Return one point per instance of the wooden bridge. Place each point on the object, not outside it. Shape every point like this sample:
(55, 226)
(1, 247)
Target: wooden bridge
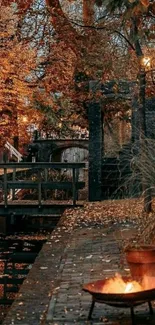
(41, 180)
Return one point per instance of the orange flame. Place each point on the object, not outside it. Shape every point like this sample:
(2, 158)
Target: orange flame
(129, 287)
(118, 285)
(133, 287)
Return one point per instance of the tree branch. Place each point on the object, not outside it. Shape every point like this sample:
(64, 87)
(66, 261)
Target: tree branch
(101, 28)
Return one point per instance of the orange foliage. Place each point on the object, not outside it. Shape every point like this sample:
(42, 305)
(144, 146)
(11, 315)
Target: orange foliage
(60, 71)
(22, 5)
(16, 62)
(75, 50)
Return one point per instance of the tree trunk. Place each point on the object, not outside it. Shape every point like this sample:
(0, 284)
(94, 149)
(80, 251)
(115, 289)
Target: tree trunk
(88, 12)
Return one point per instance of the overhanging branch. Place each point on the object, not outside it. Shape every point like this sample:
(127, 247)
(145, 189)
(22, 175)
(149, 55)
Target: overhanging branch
(104, 28)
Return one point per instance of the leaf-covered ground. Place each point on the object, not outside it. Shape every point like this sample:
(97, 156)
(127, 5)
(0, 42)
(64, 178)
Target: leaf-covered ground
(106, 211)
(114, 211)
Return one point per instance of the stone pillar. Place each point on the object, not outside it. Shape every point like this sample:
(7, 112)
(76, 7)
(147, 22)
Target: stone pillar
(95, 118)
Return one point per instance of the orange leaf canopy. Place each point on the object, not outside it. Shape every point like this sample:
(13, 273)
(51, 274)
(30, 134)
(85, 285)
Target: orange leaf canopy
(22, 4)
(145, 3)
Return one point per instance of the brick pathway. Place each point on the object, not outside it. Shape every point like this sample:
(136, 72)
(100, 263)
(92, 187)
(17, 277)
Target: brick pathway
(91, 254)
(52, 293)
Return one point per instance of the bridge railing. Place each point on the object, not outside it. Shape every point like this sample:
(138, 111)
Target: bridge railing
(13, 151)
(10, 182)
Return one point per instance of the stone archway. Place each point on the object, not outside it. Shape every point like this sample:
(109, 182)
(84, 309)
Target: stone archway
(51, 149)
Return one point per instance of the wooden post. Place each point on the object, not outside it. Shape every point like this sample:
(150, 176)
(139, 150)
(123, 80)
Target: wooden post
(74, 187)
(5, 188)
(16, 142)
(3, 228)
(5, 288)
(76, 182)
(13, 178)
(39, 188)
(46, 179)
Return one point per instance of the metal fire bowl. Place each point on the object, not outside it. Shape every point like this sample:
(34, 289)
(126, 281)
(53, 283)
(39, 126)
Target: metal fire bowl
(118, 299)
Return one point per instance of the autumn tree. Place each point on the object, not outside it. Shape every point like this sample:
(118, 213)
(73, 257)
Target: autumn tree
(99, 39)
(78, 51)
(17, 62)
(86, 43)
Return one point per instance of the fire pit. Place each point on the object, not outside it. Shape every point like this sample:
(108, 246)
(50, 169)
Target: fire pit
(121, 292)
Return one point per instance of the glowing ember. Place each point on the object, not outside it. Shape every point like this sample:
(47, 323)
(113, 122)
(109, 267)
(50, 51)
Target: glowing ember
(118, 285)
(129, 287)
(133, 287)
